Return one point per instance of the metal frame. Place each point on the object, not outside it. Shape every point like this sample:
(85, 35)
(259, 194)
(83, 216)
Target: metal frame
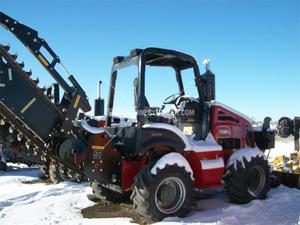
(29, 37)
(160, 57)
(62, 113)
(74, 97)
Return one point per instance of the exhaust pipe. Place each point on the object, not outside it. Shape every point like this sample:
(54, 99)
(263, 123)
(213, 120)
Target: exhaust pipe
(99, 102)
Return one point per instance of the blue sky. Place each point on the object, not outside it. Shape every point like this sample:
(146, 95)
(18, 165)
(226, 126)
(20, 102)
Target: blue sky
(254, 46)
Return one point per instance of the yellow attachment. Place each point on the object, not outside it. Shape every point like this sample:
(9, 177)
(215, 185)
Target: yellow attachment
(97, 147)
(76, 101)
(43, 60)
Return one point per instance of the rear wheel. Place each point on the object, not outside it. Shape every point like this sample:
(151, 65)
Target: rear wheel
(169, 193)
(248, 180)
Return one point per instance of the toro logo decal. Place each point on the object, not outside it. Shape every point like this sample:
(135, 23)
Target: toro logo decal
(224, 131)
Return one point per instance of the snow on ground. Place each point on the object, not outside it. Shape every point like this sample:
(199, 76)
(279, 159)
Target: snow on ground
(43, 203)
(61, 203)
(283, 146)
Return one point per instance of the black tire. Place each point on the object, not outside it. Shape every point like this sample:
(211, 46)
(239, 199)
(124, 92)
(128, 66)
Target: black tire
(248, 182)
(151, 193)
(3, 166)
(54, 173)
(105, 194)
(275, 180)
(44, 172)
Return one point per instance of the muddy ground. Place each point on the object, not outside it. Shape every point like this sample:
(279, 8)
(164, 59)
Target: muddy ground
(104, 209)
(38, 181)
(110, 210)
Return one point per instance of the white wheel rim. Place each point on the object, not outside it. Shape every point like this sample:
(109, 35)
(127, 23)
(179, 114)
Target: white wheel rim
(256, 189)
(170, 195)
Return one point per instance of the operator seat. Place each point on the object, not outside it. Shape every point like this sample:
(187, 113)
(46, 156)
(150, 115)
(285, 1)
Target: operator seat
(198, 120)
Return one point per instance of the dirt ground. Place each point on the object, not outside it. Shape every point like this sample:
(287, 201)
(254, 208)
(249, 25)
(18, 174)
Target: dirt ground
(110, 210)
(103, 209)
(38, 181)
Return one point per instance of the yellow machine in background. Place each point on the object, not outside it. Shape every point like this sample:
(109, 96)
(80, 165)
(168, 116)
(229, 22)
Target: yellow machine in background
(285, 164)
(286, 170)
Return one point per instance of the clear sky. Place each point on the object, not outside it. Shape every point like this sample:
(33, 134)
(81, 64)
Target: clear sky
(254, 46)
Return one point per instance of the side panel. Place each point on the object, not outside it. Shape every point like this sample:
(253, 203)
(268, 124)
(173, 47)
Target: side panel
(136, 141)
(230, 130)
(129, 170)
(102, 161)
(205, 177)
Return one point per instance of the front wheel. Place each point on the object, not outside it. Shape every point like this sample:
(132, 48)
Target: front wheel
(245, 181)
(169, 193)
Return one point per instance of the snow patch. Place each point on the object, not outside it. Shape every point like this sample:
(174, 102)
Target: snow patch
(232, 110)
(172, 159)
(99, 118)
(92, 130)
(242, 153)
(35, 204)
(212, 164)
(208, 145)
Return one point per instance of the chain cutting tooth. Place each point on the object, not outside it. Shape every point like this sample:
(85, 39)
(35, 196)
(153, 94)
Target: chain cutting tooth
(35, 150)
(29, 73)
(11, 130)
(28, 144)
(21, 64)
(36, 81)
(6, 47)
(43, 89)
(14, 56)
(2, 122)
(20, 136)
